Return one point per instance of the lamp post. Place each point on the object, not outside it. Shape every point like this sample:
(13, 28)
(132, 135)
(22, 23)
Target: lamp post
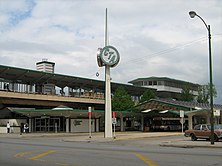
(192, 15)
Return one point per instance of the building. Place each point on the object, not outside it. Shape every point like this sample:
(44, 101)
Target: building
(49, 67)
(28, 96)
(166, 87)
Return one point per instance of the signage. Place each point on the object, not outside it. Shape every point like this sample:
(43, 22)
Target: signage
(114, 114)
(182, 120)
(216, 112)
(110, 56)
(114, 121)
(89, 113)
(181, 113)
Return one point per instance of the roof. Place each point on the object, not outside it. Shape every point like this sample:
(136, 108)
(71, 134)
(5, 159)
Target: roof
(161, 79)
(31, 77)
(66, 112)
(44, 61)
(166, 104)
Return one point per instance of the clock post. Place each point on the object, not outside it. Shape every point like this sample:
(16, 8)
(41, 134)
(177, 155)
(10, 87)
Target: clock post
(108, 57)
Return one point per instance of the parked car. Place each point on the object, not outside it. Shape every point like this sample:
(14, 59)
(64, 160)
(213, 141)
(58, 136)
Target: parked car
(204, 131)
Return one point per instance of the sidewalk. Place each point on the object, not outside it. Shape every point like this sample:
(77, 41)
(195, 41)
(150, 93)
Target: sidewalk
(182, 141)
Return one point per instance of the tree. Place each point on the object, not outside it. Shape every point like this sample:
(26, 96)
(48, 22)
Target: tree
(187, 94)
(121, 100)
(204, 93)
(147, 95)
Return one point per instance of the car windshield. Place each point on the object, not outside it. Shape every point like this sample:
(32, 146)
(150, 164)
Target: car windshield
(217, 126)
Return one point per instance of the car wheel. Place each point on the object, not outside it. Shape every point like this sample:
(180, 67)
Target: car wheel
(193, 137)
(215, 138)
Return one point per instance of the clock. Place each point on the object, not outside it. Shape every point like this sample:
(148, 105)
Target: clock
(110, 56)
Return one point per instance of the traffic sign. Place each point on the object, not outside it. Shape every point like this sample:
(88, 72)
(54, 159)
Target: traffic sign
(182, 120)
(181, 113)
(114, 121)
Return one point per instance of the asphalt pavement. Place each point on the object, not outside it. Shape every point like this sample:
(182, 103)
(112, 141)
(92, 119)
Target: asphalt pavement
(182, 141)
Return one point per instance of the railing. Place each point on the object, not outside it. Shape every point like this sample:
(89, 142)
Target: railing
(84, 98)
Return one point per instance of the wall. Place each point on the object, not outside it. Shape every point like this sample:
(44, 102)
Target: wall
(82, 125)
(14, 123)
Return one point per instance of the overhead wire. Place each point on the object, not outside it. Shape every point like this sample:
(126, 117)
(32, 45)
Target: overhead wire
(166, 51)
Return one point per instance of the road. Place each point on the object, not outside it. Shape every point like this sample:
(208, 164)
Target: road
(139, 152)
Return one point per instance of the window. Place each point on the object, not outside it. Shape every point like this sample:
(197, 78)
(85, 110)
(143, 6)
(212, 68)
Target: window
(204, 127)
(150, 83)
(154, 82)
(197, 127)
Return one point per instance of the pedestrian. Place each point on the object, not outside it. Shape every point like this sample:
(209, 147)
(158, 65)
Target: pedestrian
(21, 128)
(8, 127)
(26, 127)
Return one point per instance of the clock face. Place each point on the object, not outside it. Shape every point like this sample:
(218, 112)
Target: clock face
(110, 56)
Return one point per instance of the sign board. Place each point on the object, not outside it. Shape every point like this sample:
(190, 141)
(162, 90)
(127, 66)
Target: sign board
(181, 113)
(216, 112)
(110, 56)
(90, 112)
(114, 114)
(114, 121)
(182, 120)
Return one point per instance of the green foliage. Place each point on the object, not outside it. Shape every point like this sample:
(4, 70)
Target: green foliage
(121, 100)
(186, 94)
(147, 95)
(204, 93)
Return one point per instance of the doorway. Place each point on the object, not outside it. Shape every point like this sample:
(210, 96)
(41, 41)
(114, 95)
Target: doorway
(47, 124)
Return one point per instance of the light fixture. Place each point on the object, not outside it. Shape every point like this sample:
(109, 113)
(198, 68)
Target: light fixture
(192, 14)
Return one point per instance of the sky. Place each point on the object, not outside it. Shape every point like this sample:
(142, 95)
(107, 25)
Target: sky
(154, 37)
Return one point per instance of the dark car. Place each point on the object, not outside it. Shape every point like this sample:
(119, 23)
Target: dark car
(204, 131)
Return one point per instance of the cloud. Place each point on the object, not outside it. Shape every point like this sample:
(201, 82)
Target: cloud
(154, 38)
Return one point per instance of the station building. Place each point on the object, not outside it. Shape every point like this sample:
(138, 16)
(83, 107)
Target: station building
(51, 102)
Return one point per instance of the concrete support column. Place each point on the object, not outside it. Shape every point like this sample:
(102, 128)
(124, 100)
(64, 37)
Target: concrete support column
(190, 121)
(220, 117)
(67, 125)
(97, 125)
(30, 125)
(208, 119)
(121, 123)
(142, 123)
(108, 105)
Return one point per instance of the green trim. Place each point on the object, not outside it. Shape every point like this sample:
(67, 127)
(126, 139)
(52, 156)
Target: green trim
(51, 110)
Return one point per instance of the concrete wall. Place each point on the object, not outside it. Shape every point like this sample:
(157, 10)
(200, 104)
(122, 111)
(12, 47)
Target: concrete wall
(14, 123)
(82, 125)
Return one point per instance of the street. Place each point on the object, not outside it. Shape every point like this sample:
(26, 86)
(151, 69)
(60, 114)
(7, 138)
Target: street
(132, 152)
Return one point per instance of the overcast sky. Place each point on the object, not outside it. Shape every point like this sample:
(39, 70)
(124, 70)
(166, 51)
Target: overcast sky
(154, 37)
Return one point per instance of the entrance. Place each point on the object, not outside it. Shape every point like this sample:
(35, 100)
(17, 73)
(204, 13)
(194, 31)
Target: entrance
(47, 124)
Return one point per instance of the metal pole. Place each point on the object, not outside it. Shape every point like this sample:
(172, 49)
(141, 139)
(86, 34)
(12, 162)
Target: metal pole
(182, 124)
(90, 117)
(192, 15)
(108, 111)
(211, 88)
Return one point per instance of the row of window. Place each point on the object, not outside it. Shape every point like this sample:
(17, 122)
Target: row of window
(165, 83)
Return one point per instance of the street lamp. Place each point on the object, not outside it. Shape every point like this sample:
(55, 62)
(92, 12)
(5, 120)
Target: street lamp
(192, 15)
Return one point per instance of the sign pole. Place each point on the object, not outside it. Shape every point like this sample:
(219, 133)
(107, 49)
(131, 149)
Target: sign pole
(108, 57)
(108, 111)
(90, 117)
(114, 125)
(182, 119)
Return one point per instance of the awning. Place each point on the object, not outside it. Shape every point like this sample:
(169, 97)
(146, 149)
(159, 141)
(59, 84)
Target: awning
(68, 112)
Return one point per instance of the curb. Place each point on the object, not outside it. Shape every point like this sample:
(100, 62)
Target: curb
(189, 146)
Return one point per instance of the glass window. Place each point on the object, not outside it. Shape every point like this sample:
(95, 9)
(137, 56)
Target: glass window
(150, 83)
(197, 127)
(204, 127)
(154, 82)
